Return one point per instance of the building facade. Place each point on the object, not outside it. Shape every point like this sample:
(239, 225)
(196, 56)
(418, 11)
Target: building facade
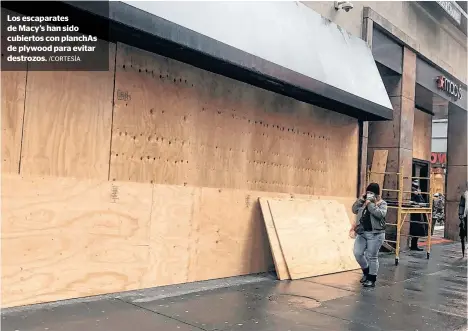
(420, 48)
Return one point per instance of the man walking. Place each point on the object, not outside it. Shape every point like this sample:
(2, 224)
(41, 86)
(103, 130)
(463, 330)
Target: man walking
(418, 225)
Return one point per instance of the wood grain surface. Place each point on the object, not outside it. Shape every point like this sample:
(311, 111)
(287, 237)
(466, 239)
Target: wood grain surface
(313, 236)
(379, 166)
(63, 238)
(68, 120)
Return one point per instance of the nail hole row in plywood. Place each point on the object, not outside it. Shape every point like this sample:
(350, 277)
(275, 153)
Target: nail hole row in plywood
(422, 132)
(225, 115)
(159, 139)
(246, 161)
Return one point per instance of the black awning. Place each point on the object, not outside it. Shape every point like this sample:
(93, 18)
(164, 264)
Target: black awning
(317, 62)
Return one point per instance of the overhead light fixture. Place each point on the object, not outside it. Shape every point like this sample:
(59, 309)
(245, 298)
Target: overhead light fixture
(345, 5)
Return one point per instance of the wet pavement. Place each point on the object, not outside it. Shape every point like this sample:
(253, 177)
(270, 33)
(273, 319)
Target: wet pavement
(418, 294)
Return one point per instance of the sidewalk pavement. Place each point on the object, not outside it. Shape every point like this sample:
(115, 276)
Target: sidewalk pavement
(418, 294)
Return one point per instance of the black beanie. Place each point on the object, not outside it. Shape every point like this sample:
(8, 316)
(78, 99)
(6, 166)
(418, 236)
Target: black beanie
(374, 188)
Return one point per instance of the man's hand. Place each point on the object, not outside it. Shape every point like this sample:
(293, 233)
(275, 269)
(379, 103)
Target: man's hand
(461, 217)
(366, 203)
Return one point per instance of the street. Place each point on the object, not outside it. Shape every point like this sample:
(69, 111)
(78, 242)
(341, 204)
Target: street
(417, 295)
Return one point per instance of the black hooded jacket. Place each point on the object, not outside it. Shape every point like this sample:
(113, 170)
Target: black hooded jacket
(418, 229)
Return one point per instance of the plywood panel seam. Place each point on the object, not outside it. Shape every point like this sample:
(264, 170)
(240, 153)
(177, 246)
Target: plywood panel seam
(117, 236)
(22, 124)
(212, 131)
(190, 236)
(11, 109)
(112, 116)
(152, 199)
(278, 258)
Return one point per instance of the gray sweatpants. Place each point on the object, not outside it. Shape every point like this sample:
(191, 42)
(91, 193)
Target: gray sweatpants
(366, 250)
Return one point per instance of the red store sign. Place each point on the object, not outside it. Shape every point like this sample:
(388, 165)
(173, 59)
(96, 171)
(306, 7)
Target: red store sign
(438, 158)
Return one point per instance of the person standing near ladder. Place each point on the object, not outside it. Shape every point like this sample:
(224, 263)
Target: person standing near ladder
(462, 215)
(370, 232)
(418, 229)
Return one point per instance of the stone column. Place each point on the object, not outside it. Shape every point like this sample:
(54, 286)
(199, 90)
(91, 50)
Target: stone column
(456, 168)
(396, 136)
(367, 30)
(364, 138)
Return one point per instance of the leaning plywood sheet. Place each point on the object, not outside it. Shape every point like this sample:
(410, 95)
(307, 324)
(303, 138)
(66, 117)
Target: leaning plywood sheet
(379, 165)
(313, 235)
(278, 257)
(347, 202)
(228, 237)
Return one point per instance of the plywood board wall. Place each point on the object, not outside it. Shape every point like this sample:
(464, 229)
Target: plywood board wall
(13, 86)
(422, 135)
(13, 93)
(313, 236)
(229, 236)
(177, 124)
(379, 166)
(68, 120)
(202, 148)
(64, 238)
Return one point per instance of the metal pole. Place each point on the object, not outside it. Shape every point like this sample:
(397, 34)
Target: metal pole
(429, 221)
(399, 223)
